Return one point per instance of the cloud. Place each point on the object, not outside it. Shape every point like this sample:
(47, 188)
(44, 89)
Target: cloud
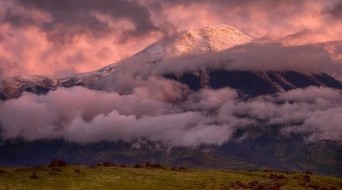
(181, 129)
(313, 112)
(309, 59)
(102, 116)
(335, 11)
(61, 20)
(256, 18)
(7, 67)
(164, 111)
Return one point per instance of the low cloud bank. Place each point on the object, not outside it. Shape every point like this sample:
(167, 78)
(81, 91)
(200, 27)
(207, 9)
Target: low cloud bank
(165, 111)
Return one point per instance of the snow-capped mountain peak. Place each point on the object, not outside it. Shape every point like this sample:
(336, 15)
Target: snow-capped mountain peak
(201, 40)
(208, 39)
(195, 41)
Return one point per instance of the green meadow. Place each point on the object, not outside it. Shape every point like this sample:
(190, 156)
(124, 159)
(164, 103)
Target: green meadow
(127, 178)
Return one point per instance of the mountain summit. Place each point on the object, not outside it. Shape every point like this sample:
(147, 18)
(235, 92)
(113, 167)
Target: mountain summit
(195, 41)
(201, 40)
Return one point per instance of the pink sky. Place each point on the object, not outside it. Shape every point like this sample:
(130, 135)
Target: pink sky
(61, 37)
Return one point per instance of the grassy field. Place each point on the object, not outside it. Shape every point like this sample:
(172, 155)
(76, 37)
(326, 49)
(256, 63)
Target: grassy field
(84, 178)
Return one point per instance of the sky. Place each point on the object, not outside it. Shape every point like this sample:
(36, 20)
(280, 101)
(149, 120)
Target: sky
(61, 37)
(49, 37)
